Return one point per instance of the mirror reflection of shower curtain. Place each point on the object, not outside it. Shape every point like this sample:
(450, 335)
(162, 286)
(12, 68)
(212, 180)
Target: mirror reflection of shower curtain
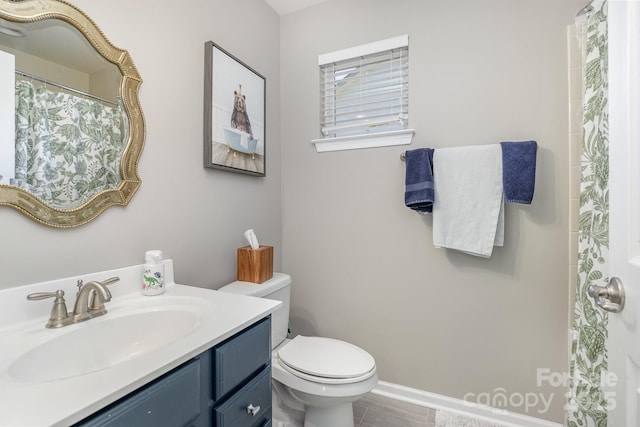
(68, 148)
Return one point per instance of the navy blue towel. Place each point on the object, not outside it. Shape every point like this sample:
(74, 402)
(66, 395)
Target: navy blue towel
(519, 171)
(418, 194)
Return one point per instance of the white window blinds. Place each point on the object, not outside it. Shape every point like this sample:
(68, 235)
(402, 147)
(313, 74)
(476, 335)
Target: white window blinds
(365, 89)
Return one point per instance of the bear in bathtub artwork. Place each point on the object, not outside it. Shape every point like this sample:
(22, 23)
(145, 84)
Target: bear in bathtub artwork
(239, 117)
(235, 114)
(239, 137)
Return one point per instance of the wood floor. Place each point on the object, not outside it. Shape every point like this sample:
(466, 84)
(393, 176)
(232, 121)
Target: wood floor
(224, 156)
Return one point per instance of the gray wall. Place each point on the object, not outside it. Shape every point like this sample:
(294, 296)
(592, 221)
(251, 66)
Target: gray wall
(363, 265)
(195, 216)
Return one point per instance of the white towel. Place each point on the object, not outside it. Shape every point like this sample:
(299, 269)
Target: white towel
(244, 141)
(468, 208)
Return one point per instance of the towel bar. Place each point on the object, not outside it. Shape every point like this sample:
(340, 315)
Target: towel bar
(403, 157)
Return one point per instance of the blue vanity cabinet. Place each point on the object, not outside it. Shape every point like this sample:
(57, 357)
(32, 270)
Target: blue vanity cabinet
(228, 385)
(242, 379)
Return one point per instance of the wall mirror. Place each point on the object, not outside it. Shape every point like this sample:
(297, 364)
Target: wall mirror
(71, 125)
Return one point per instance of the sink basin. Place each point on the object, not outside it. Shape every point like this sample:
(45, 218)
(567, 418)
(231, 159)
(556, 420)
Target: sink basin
(105, 341)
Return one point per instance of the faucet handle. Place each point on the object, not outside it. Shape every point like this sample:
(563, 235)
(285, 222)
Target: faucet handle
(111, 281)
(44, 295)
(59, 316)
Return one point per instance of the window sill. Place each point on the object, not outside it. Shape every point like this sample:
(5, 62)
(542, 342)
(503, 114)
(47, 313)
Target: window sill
(382, 139)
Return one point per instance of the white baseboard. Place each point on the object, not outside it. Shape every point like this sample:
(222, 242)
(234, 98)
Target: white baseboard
(437, 401)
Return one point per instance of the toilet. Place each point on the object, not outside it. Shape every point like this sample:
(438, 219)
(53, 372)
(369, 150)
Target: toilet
(315, 379)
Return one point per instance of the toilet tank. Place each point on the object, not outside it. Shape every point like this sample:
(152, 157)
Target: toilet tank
(277, 288)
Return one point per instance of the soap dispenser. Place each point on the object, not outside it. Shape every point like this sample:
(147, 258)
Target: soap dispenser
(152, 273)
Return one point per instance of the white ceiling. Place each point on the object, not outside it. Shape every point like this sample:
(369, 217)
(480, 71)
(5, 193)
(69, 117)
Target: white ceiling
(287, 6)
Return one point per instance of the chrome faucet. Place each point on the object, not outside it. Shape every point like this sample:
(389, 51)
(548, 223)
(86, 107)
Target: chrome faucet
(100, 293)
(83, 309)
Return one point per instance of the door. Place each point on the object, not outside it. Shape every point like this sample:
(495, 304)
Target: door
(622, 384)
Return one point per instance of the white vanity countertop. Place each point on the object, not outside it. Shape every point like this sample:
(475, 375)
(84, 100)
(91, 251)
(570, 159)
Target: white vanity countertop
(66, 401)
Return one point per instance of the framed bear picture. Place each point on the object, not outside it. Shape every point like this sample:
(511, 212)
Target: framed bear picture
(234, 114)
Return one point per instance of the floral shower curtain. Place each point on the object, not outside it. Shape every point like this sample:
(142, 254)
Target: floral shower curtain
(587, 405)
(68, 148)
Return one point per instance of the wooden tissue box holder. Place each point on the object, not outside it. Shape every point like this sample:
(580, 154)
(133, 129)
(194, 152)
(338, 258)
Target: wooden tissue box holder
(255, 265)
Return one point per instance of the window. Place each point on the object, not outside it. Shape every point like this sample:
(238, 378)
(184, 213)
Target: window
(364, 96)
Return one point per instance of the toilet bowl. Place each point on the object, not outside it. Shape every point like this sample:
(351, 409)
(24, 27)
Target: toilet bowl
(315, 379)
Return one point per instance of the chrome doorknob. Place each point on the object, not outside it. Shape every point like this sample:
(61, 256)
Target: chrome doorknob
(610, 297)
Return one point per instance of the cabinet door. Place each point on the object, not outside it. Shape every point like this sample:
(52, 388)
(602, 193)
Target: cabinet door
(241, 357)
(172, 400)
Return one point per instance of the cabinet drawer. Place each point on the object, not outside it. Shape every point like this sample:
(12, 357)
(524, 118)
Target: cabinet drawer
(241, 356)
(172, 400)
(233, 413)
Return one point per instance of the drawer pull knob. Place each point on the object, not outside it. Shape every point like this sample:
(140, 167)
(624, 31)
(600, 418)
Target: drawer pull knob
(253, 410)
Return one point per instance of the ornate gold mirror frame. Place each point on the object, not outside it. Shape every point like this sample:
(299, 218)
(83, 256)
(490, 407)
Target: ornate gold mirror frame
(36, 10)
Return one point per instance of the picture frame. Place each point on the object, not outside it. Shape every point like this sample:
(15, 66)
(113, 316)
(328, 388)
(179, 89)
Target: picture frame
(234, 114)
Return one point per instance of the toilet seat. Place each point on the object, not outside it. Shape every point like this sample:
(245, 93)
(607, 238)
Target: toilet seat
(326, 360)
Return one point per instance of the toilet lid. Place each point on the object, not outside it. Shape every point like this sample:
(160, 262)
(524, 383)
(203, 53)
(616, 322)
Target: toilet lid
(326, 358)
